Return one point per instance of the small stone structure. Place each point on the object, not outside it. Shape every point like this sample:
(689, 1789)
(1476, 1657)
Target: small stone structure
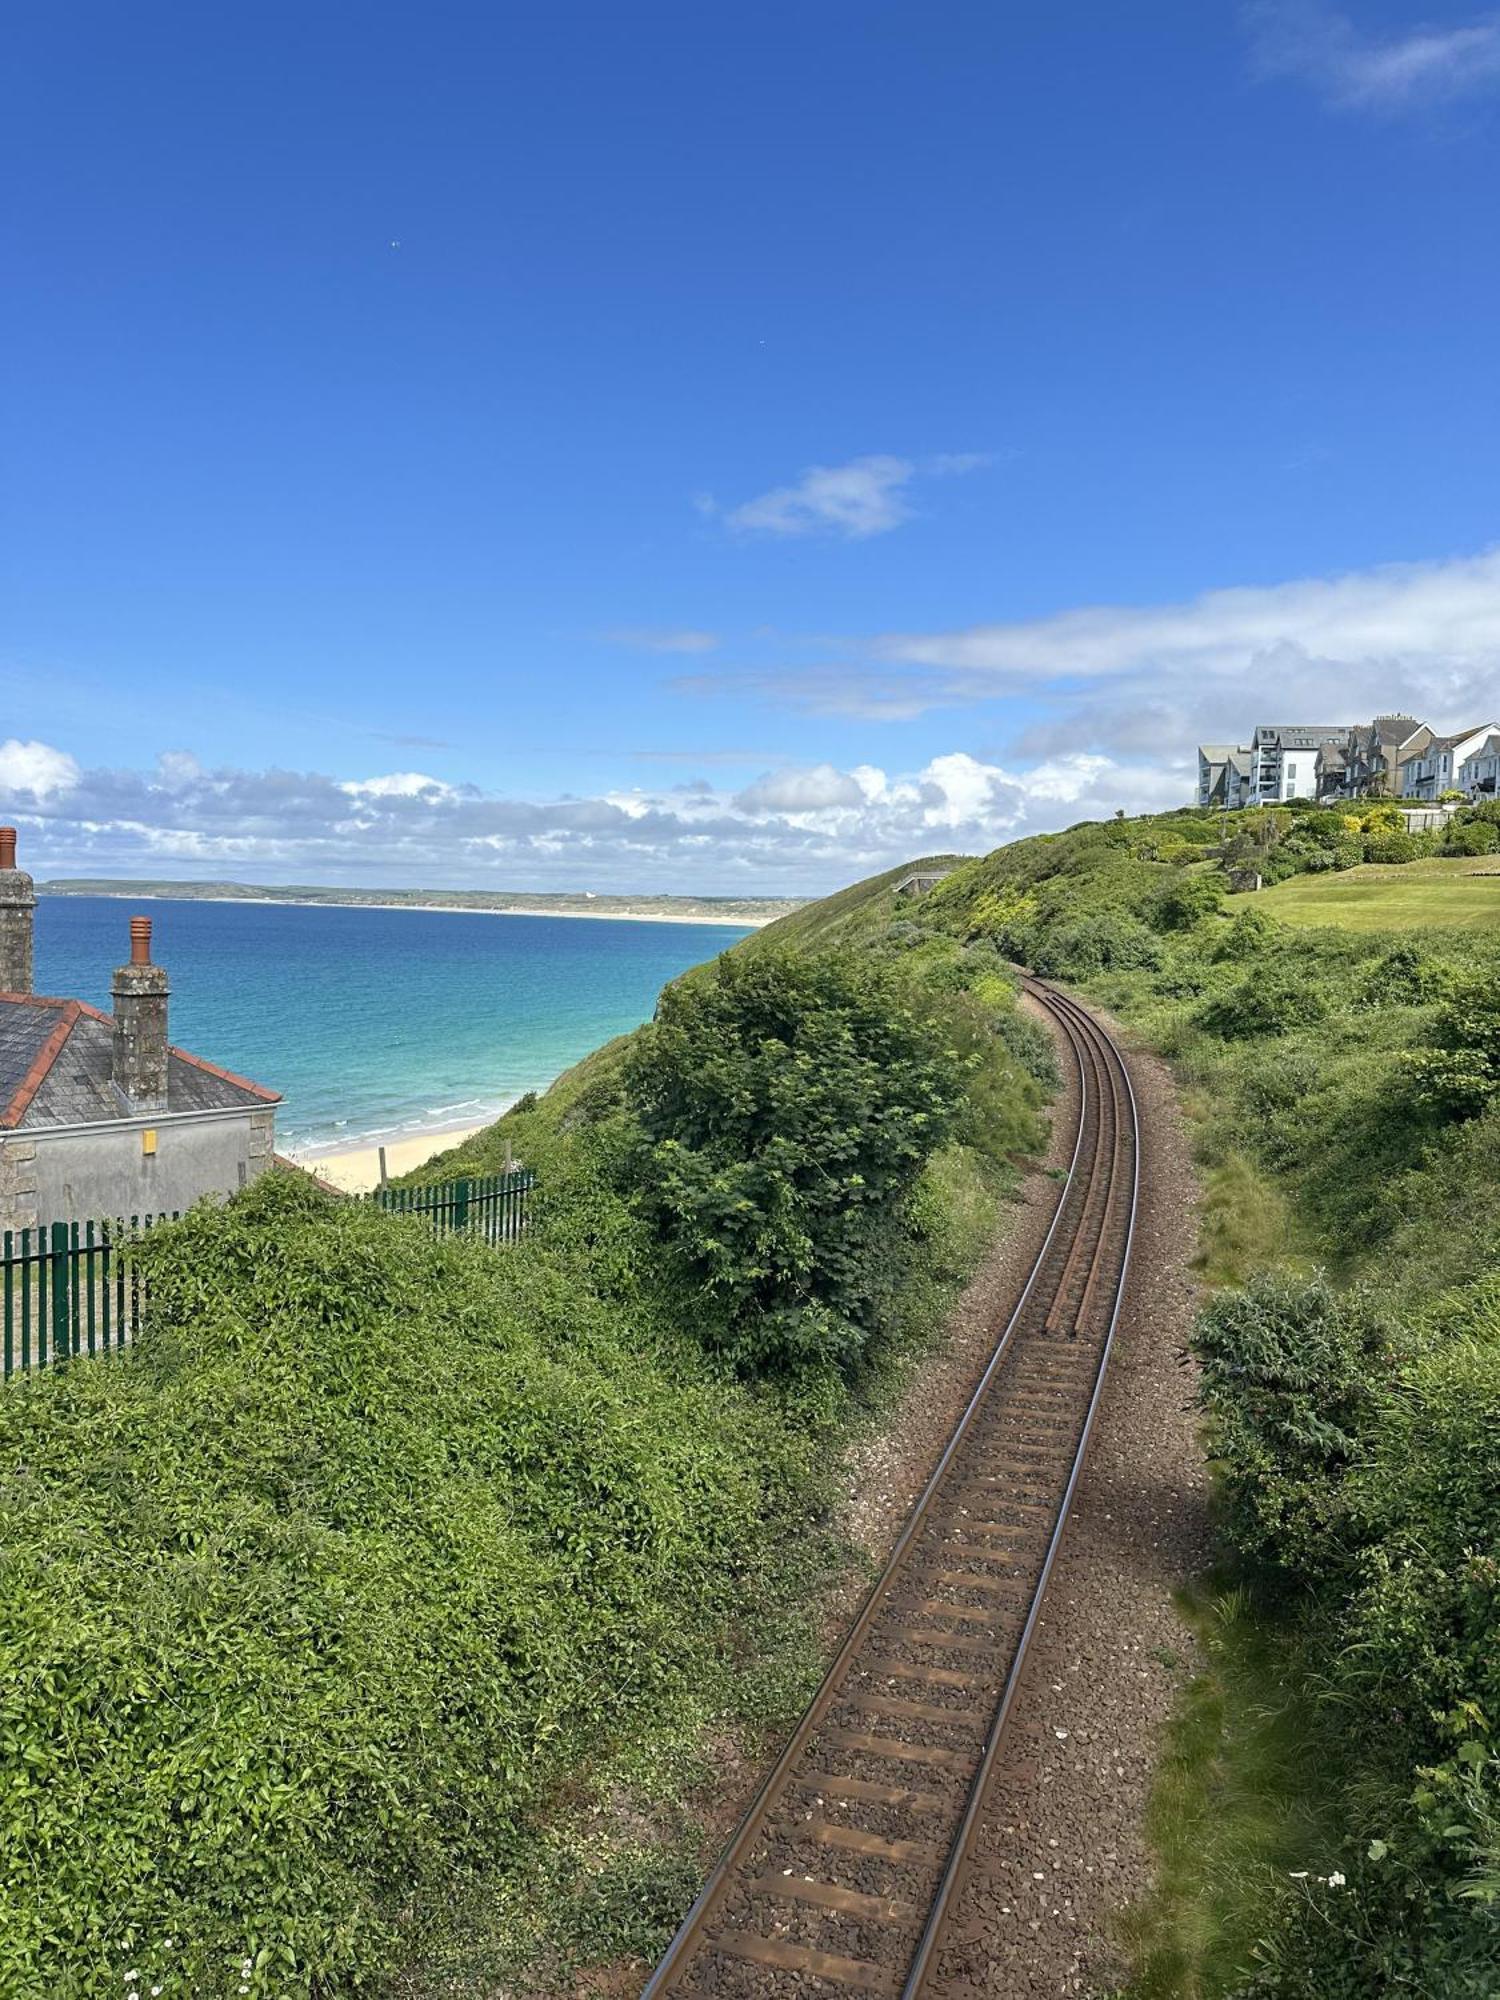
(100, 1116)
(920, 881)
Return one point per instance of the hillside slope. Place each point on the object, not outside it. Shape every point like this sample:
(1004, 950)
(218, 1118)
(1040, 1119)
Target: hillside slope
(1331, 1811)
(368, 1623)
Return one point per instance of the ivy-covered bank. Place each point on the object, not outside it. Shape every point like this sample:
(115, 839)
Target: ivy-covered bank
(1345, 1093)
(366, 1627)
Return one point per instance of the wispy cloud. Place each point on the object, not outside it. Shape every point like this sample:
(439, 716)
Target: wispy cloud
(1355, 70)
(1147, 681)
(1423, 636)
(869, 693)
(406, 742)
(868, 496)
(663, 638)
(1431, 615)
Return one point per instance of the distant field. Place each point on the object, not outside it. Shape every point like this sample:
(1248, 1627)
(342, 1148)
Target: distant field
(1458, 895)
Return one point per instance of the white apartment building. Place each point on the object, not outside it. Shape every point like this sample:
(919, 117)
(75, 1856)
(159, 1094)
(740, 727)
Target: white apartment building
(1394, 756)
(1440, 766)
(1284, 759)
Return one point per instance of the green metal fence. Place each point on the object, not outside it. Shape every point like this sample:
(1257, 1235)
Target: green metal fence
(70, 1288)
(492, 1207)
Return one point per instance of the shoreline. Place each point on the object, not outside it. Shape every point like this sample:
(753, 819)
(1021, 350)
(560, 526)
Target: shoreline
(356, 1169)
(435, 909)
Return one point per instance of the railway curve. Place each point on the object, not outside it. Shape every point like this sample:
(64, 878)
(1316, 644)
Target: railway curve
(839, 1879)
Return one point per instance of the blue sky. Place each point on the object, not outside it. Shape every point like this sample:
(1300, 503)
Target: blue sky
(724, 446)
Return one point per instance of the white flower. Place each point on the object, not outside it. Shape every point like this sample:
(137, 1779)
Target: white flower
(1337, 1879)
(1299, 1874)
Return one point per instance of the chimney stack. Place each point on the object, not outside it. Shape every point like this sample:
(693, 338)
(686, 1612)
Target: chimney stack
(140, 1053)
(17, 903)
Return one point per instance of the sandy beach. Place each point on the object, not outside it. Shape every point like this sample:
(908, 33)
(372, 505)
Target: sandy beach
(610, 916)
(358, 1170)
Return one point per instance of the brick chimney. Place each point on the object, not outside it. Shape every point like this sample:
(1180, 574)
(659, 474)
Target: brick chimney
(17, 903)
(140, 1055)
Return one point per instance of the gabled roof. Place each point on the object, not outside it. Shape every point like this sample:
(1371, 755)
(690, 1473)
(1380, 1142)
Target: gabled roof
(56, 1062)
(1460, 736)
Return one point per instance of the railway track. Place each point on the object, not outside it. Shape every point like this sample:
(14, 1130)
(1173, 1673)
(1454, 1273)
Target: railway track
(840, 1877)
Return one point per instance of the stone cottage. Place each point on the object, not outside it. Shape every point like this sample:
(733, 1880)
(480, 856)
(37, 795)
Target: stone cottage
(100, 1115)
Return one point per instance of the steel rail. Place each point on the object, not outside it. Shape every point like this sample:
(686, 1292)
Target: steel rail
(1091, 1048)
(932, 1932)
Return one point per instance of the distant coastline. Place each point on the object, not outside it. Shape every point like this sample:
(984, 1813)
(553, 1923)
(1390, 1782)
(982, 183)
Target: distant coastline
(739, 912)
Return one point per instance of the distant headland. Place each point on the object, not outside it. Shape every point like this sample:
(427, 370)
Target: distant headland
(741, 911)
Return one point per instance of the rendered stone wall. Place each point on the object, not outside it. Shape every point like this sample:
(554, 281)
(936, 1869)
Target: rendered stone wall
(83, 1176)
(18, 1208)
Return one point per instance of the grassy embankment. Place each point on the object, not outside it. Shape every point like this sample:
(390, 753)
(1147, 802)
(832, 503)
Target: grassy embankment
(377, 1622)
(1431, 894)
(1328, 1811)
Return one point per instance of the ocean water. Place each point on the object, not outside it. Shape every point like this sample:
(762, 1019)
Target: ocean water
(378, 1024)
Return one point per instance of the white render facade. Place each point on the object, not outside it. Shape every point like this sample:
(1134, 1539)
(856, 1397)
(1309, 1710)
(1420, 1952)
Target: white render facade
(1441, 766)
(1479, 773)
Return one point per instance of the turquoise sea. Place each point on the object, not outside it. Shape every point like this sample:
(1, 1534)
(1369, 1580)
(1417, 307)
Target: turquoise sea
(378, 1024)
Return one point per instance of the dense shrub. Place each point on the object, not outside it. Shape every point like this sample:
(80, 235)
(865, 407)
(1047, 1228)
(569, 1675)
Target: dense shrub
(1394, 845)
(1183, 903)
(1405, 976)
(1289, 1371)
(1099, 942)
(1475, 836)
(1461, 1074)
(306, 1602)
(788, 1103)
(1270, 1000)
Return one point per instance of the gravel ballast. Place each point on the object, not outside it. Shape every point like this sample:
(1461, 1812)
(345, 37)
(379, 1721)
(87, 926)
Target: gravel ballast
(1059, 1850)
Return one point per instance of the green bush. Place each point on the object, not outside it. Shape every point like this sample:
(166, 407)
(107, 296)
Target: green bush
(1461, 1075)
(307, 1601)
(1405, 976)
(1290, 1369)
(1183, 903)
(1096, 943)
(1393, 845)
(1270, 1000)
(1471, 837)
(788, 1103)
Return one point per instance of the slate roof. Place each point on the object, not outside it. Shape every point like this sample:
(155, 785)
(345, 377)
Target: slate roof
(1299, 735)
(56, 1058)
(1441, 743)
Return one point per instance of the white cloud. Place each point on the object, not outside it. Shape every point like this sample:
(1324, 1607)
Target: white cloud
(664, 639)
(794, 829)
(36, 770)
(1396, 72)
(868, 496)
(801, 791)
(1418, 636)
(396, 785)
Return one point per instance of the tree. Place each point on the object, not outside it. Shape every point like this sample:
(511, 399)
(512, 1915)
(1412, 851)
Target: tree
(788, 1104)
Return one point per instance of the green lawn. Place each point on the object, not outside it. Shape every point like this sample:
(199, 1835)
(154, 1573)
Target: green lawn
(1462, 894)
